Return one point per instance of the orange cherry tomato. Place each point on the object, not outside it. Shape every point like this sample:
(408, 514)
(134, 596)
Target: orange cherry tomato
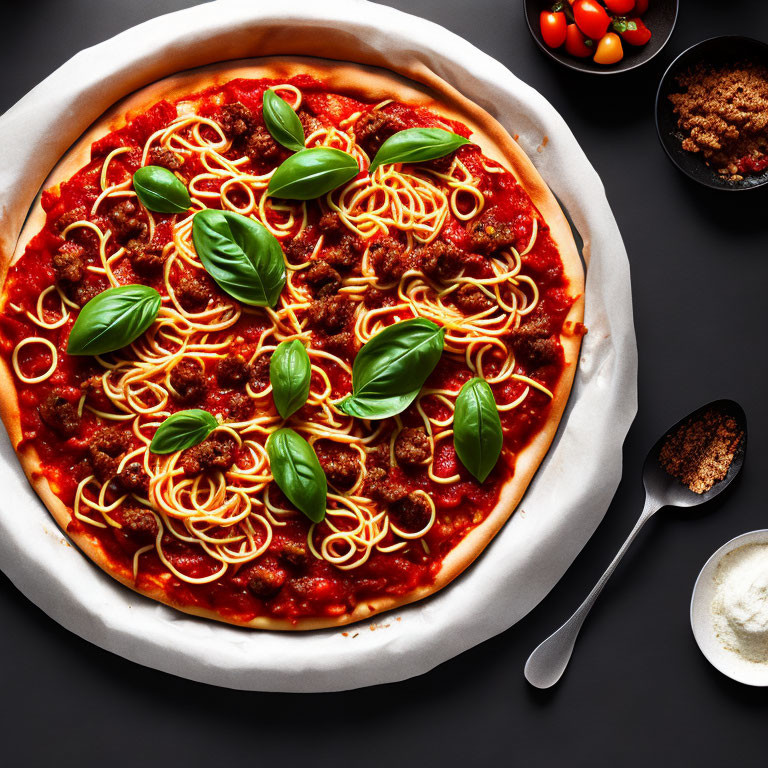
(553, 28)
(641, 6)
(609, 49)
(591, 18)
(576, 43)
(639, 36)
(620, 7)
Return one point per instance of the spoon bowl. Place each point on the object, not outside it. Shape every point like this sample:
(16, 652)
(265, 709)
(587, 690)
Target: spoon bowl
(545, 666)
(660, 485)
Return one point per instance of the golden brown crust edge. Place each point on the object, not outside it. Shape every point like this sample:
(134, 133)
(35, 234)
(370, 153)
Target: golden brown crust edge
(432, 92)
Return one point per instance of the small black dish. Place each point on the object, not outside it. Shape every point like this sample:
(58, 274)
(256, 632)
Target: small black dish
(660, 18)
(716, 51)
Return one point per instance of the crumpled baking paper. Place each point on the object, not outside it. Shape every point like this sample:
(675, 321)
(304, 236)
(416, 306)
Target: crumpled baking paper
(569, 494)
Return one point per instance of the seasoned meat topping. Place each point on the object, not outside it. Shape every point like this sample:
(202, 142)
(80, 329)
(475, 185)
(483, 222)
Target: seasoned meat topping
(411, 513)
(125, 222)
(471, 300)
(217, 452)
(68, 263)
(265, 578)
(133, 478)
(138, 524)
(412, 447)
(331, 314)
(489, 233)
(105, 449)
(259, 376)
(294, 552)
(331, 222)
(343, 254)
(84, 291)
(322, 278)
(145, 259)
(441, 260)
(309, 122)
(261, 146)
(236, 119)
(70, 217)
(298, 249)
(534, 342)
(380, 486)
(59, 414)
(339, 344)
(193, 293)
(341, 465)
(441, 164)
(240, 407)
(378, 457)
(232, 371)
(389, 259)
(188, 380)
(373, 128)
(164, 158)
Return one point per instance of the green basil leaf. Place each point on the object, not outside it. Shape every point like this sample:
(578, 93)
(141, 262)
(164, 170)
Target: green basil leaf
(392, 367)
(377, 407)
(241, 255)
(289, 373)
(477, 435)
(282, 122)
(160, 190)
(113, 319)
(312, 173)
(298, 473)
(415, 145)
(182, 430)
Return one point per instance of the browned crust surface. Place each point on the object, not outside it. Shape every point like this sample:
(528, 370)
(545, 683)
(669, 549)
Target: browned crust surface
(370, 84)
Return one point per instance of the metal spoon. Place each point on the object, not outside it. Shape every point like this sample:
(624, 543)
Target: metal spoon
(547, 663)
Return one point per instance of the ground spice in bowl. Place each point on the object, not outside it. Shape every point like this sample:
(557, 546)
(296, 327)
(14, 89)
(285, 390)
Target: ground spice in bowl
(723, 114)
(699, 453)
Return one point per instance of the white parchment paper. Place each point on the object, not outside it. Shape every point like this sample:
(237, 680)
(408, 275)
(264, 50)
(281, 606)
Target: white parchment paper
(572, 489)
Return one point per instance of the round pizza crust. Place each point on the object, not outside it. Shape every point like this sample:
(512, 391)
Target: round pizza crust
(370, 84)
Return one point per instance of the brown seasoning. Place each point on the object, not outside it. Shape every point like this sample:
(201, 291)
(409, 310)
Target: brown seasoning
(724, 114)
(700, 452)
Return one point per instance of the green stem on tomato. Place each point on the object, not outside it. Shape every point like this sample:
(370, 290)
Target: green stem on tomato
(563, 6)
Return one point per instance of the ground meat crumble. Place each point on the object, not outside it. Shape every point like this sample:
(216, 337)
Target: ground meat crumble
(723, 114)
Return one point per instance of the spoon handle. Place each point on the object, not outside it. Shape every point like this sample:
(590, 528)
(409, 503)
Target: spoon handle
(547, 663)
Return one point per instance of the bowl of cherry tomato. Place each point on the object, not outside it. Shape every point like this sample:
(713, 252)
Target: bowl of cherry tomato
(602, 37)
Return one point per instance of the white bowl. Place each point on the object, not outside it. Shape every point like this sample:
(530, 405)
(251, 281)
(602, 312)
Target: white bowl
(702, 620)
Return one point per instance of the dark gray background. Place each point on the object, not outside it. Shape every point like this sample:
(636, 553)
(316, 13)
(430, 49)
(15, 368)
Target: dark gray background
(638, 691)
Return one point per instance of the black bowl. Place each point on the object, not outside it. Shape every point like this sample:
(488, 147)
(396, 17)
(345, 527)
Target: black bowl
(715, 52)
(660, 18)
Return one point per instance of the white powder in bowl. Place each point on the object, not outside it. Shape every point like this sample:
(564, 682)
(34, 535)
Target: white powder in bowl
(740, 606)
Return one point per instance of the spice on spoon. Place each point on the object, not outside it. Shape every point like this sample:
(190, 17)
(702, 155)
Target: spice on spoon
(699, 452)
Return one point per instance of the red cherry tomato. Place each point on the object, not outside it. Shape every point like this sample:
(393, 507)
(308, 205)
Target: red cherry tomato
(591, 17)
(576, 43)
(639, 36)
(553, 28)
(641, 6)
(609, 49)
(620, 7)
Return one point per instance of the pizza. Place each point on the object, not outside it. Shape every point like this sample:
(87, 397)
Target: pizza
(285, 341)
